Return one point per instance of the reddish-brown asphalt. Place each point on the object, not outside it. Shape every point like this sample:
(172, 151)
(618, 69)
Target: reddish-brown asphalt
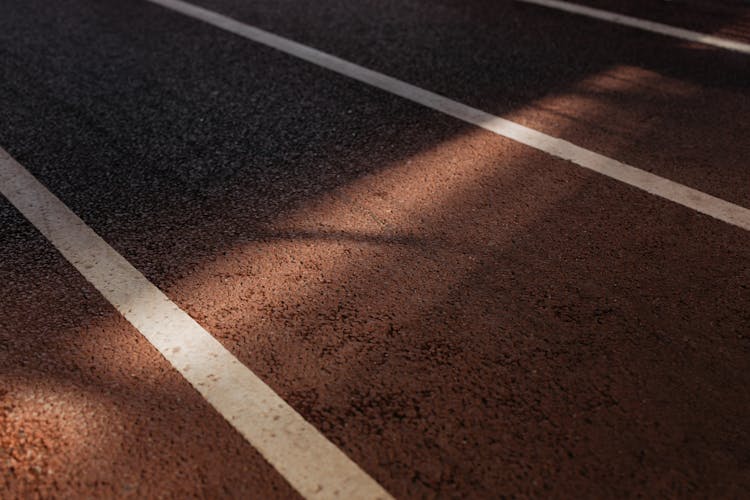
(462, 315)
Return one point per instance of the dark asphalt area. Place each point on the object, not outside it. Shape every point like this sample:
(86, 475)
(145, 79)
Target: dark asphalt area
(462, 315)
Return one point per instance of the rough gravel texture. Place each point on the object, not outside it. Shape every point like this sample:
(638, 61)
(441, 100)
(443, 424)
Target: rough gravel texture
(462, 315)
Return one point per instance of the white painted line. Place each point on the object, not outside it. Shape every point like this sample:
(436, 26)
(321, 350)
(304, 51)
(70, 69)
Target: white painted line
(314, 466)
(644, 24)
(659, 186)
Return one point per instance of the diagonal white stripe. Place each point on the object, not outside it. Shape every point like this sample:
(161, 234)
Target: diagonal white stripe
(314, 466)
(644, 24)
(659, 186)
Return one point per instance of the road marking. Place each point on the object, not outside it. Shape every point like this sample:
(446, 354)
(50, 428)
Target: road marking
(659, 186)
(643, 24)
(314, 466)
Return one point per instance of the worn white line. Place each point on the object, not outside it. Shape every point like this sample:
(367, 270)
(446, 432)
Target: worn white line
(314, 466)
(659, 186)
(644, 24)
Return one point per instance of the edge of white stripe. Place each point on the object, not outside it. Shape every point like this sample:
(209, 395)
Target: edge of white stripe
(643, 24)
(314, 466)
(678, 193)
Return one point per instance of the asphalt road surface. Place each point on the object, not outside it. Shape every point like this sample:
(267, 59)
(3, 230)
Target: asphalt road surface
(434, 308)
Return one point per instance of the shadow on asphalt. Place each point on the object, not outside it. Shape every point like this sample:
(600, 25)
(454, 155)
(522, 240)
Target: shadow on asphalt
(562, 349)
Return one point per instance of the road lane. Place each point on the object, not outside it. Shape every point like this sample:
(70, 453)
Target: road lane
(691, 198)
(674, 110)
(305, 458)
(725, 18)
(644, 24)
(87, 407)
(460, 313)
